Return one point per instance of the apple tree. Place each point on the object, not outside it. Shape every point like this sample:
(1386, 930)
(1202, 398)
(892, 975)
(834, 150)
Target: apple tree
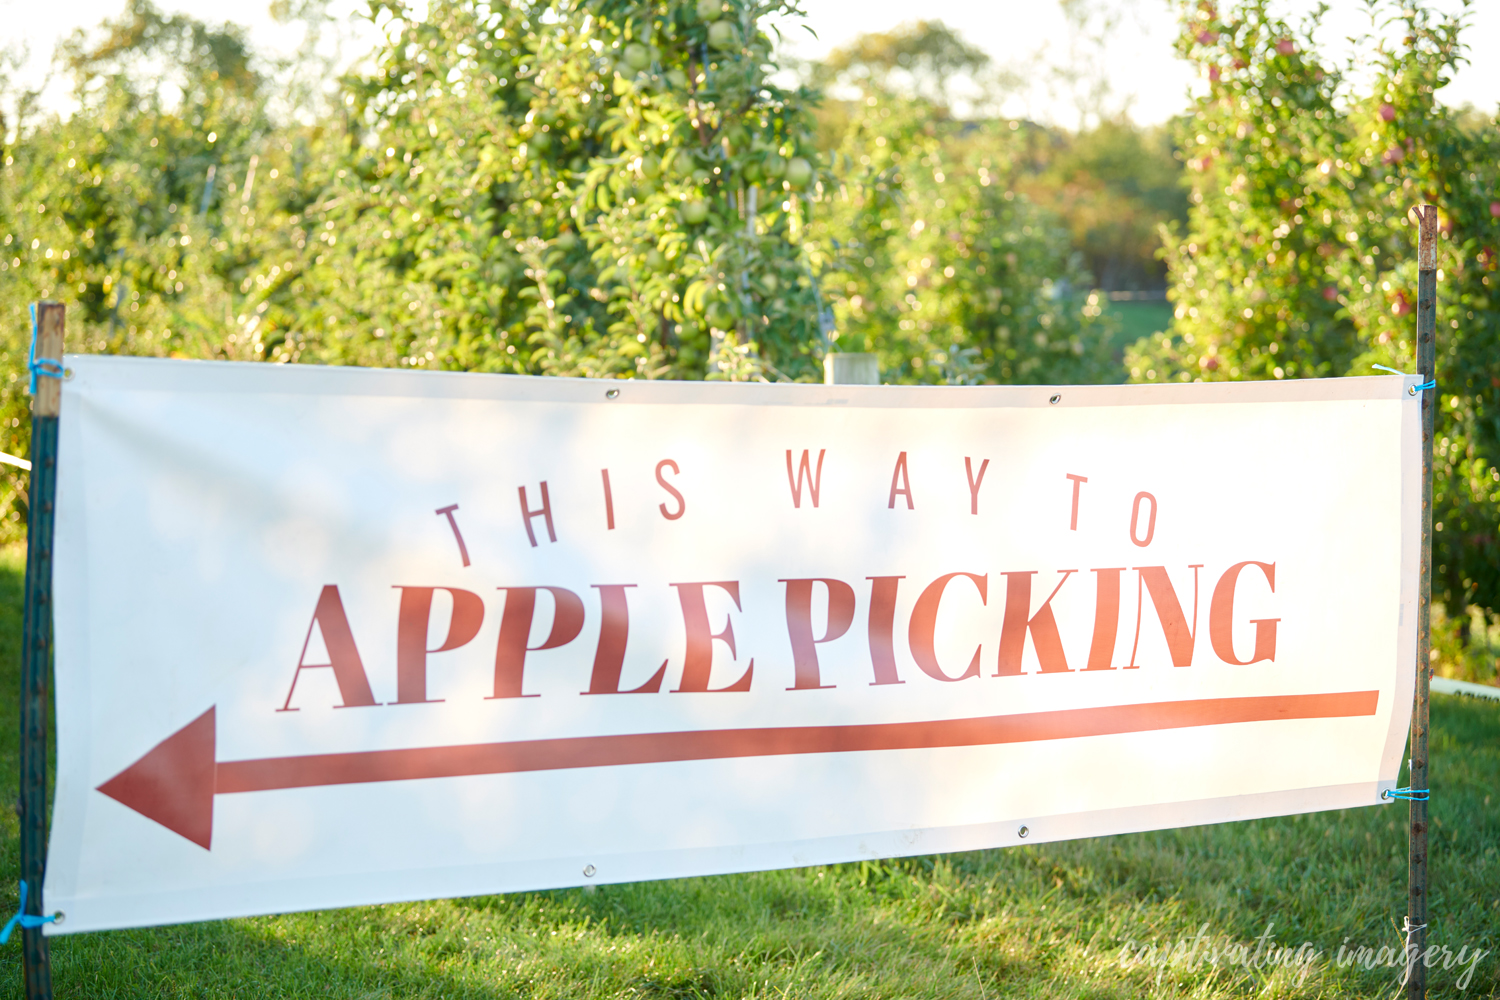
(942, 267)
(608, 188)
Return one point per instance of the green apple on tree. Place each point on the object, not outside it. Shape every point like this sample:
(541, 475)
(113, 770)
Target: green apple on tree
(799, 173)
(722, 36)
(720, 316)
(637, 56)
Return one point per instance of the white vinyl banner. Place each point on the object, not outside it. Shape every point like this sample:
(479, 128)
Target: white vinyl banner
(332, 636)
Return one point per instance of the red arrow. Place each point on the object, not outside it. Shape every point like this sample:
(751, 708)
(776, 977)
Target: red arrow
(175, 783)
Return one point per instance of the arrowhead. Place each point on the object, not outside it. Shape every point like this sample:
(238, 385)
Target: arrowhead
(174, 783)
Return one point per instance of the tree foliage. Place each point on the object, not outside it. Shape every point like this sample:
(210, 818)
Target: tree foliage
(609, 189)
(919, 57)
(124, 210)
(1112, 185)
(941, 267)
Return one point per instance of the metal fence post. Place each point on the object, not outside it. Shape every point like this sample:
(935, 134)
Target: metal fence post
(1416, 886)
(36, 646)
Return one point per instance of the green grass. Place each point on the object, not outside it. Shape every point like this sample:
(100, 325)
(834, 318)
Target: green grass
(1042, 921)
(1135, 320)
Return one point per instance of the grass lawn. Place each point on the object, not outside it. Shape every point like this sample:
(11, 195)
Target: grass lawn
(1136, 320)
(1042, 921)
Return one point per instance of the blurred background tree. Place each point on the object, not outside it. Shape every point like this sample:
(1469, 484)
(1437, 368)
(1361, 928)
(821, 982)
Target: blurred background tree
(120, 209)
(937, 264)
(923, 59)
(1073, 215)
(1112, 185)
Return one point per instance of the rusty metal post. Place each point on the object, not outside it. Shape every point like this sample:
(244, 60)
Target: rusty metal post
(1416, 886)
(36, 644)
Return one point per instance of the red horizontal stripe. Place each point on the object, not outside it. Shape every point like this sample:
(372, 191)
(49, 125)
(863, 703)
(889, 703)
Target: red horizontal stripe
(717, 744)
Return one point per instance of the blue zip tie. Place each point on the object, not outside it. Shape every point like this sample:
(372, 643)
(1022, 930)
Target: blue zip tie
(1410, 794)
(1412, 390)
(23, 918)
(39, 366)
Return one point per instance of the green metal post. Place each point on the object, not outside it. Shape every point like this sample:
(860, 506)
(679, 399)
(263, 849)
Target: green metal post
(36, 648)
